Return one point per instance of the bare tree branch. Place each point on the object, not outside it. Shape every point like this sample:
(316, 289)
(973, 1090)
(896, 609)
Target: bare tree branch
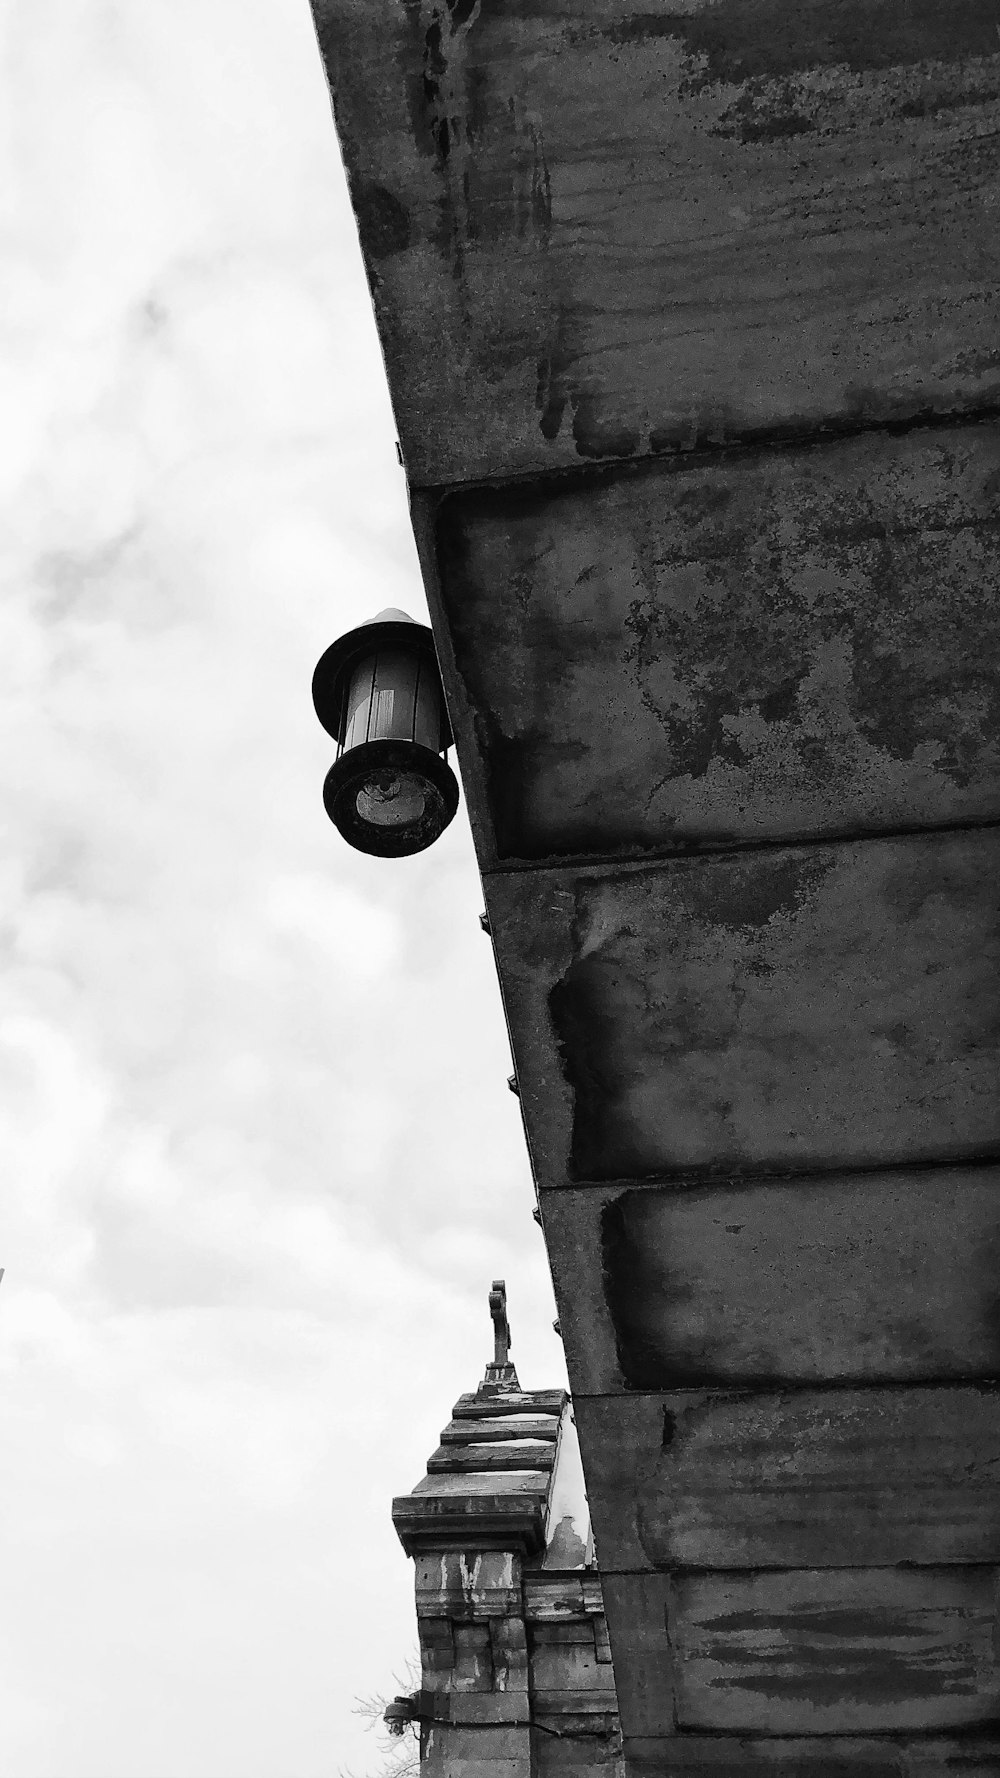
(397, 1756)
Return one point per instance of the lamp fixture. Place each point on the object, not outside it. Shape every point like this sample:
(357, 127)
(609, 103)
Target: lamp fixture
(378, 692)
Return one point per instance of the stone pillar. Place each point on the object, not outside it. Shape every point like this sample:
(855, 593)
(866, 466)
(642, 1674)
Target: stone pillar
(474, 1700)
(473, 1525)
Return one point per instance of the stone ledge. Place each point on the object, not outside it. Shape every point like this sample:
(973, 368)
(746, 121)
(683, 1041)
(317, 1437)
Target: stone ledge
(470, 1522)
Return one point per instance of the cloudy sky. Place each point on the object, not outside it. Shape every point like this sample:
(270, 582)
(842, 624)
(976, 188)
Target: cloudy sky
(259, 1159)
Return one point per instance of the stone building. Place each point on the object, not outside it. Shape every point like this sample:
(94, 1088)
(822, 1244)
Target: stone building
(516, 1672)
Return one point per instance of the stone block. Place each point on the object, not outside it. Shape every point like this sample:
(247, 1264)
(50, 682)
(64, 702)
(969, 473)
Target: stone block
(598, 230)
(794, 1479)
(729, 648)
(975, 1755)
(776, 1010)
(836, 1651)
(878, 1277)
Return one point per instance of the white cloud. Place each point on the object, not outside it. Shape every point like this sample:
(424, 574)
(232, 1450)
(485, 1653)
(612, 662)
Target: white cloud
(260, 1163)
(361, 939)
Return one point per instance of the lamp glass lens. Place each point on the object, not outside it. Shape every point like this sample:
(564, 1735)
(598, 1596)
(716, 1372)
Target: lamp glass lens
(394, 695)
(392, 799)
(359, 703)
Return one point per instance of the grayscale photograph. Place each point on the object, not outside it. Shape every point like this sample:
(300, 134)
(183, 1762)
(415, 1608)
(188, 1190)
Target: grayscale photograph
(500, 811)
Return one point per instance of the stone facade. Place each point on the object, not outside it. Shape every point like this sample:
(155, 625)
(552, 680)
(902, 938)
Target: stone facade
(516, 1672)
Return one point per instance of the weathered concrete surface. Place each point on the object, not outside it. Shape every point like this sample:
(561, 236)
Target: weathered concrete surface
(597, 229)
(794, 1479)
(448, 1585)
(828, 1277)
(706, 264)
(532, 1404)
(764, 645)
(638, 1606)
(975, 1755)
(877, 1277)
(777, 1009)
(512, 1426)
(568, 1661)
(836, 1651)
(530, 1454)
(569, 1540)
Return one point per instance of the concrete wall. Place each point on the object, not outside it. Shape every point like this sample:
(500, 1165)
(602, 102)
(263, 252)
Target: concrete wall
(690, 318)
(601, 229)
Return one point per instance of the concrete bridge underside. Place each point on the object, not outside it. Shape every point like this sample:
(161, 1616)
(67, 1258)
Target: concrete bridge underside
(692, 325)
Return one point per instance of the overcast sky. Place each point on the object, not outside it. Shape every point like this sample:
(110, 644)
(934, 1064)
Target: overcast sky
(259, 1159)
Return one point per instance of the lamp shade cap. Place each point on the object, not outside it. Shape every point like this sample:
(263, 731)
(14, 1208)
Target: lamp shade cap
(333, 669)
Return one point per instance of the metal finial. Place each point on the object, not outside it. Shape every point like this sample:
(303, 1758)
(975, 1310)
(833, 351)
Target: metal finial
(501, 1377)
(501, 1326)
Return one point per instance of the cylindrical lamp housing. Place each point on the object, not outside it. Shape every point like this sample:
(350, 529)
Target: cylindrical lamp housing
(398, 1715)
(378, 692)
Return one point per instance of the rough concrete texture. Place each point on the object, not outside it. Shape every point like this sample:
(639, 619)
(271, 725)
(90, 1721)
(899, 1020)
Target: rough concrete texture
(891, 1276)
(876, 1277)
(600, 229)
(699, 1479)
(970, 1755)
(776, 1009)
(760, 645)
(836, 1651)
